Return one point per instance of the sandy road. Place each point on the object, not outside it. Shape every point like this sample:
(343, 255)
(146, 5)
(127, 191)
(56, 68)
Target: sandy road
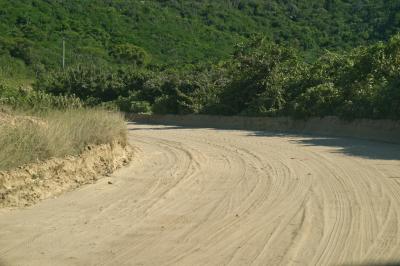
(221, 197)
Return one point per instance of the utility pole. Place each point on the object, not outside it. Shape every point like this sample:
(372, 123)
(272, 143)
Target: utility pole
(63, 55)
(63, 41)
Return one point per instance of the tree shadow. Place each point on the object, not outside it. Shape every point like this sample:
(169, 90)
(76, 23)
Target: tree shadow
(164, 127)
(349, 146)
(375, 264)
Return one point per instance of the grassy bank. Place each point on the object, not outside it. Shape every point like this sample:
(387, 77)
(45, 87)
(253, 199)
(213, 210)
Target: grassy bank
(55, 133)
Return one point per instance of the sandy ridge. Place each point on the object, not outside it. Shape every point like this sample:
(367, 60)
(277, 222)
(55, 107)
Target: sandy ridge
(37, 181)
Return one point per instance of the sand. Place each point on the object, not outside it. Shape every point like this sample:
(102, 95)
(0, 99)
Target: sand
(221, 197)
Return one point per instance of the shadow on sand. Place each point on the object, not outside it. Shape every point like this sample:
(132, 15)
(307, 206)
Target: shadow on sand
(349, 146)
(164, 127)
(375, 264)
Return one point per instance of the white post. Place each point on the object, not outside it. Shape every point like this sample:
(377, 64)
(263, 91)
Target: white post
(63, 57)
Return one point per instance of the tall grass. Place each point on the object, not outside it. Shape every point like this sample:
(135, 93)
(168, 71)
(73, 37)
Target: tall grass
(57, 134)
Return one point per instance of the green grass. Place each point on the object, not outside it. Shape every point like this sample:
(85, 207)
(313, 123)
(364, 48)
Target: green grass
(57, 134)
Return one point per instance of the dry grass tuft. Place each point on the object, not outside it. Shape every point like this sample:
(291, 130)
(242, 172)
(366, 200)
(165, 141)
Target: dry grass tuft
(57, 134)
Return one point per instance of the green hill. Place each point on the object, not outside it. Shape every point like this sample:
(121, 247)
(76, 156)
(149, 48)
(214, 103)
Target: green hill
(308, 58)
(176, 31)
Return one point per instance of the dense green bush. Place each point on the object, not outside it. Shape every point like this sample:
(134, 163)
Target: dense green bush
(92, 84)
(36, 101)
(260, 71)
(133, 104)
(320, 100)
(260, 79)
(131, 54)
(164, 105)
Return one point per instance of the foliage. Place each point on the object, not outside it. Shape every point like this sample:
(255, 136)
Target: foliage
(133, 104)
(131, 54)
(260, 79)
(87, 83)
(174, 33)
(36, 101)
(260, 72)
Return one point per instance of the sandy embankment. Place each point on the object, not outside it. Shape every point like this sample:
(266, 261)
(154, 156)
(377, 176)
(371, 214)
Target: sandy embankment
(37, 181)
(34, 182)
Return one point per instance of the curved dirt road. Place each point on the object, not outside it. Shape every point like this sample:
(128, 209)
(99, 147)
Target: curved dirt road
(221, 197)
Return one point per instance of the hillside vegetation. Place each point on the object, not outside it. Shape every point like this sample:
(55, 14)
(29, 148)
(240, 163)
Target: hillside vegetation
(296, 58)
(174, 31)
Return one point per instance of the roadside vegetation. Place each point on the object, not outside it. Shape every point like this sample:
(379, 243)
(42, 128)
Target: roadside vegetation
(259, 79)
(35, 126)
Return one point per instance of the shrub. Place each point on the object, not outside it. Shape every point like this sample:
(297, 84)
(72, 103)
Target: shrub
(36, 101)
(85, 82)
(259, 72)
(130, 54)
(131, 104)
(320, 100)
(165, 105)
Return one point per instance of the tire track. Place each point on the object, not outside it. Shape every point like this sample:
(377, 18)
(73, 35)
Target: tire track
(220, 197)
